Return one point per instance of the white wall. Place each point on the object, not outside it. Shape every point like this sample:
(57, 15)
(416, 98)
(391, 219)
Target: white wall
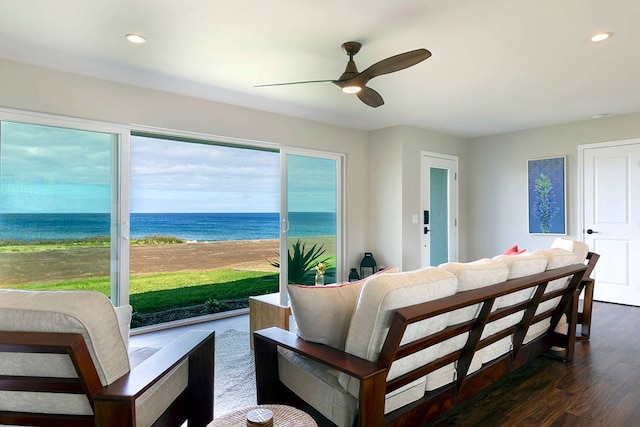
(385, 196)
(42, 90)
(394, 173)
(497, 190)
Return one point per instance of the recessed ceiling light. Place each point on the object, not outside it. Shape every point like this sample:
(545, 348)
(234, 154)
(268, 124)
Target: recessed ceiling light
(599, 116)
(598, 37)
(135, 38)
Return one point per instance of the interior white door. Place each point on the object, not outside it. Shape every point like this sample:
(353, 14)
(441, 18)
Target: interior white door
(439, 188)
(611, 178)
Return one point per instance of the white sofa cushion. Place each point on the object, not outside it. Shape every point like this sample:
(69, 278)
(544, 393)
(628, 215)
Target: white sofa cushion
(580, 249)
(557, 258)
(520, 265)
(323, 313)
(379, 298)
(470, 275)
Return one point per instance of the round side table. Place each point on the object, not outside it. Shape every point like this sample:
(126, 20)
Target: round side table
(283, 416)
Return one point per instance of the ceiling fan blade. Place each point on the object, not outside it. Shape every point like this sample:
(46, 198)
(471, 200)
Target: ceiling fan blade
(394, 63)
(295, 83)
(370, 97)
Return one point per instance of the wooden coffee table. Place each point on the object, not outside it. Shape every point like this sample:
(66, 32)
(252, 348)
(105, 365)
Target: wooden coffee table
(283, 416)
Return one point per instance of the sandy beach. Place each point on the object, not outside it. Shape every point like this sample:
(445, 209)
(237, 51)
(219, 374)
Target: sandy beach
(54, 266)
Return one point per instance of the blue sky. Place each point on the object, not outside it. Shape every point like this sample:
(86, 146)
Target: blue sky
(54, 170)
(40, 168)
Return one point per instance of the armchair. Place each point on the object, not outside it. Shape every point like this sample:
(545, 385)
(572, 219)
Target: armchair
(63, 362)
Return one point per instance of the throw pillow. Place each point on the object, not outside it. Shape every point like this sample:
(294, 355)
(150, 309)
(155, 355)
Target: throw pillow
(513, 250)
(323, 313)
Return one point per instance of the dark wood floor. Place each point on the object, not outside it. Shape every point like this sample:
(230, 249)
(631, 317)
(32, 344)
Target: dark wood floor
(601, 387)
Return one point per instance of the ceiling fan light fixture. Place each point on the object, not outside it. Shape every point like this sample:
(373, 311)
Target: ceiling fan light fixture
(598, 37)
(135, 38)
(351, 89)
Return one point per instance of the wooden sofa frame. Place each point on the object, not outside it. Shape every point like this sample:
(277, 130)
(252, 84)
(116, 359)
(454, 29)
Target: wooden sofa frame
(372, 375)
(115, 404)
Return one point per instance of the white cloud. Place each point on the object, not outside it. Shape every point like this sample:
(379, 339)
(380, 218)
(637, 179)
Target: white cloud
(174, 176)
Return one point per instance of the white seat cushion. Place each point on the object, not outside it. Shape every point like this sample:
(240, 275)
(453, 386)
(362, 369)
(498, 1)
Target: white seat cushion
(317, 384)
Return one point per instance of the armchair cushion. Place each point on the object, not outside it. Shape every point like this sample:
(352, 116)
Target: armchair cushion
(86, 312)
(123, 313)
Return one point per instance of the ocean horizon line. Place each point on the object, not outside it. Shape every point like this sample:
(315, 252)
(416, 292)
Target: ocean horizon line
(196, 227)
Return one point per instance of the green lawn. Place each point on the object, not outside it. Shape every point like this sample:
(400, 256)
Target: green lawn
(163, 291)
(157, 294)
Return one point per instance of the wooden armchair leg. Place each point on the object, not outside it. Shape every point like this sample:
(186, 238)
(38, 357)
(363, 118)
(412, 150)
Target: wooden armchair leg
(201, 380)
(266, 362)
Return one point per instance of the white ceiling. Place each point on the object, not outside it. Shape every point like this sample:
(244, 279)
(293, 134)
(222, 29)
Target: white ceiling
(497, 65)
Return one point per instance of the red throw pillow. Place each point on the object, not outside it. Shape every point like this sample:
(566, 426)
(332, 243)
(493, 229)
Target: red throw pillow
(513, 250)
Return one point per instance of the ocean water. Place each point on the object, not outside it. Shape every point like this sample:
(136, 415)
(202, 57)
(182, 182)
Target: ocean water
(200, 227)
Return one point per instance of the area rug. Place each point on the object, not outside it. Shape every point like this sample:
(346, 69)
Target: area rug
(235, 381)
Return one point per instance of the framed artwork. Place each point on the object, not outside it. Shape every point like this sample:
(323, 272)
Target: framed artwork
(547, 195)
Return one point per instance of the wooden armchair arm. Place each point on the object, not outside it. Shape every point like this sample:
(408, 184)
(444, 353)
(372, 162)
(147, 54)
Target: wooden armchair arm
(116, 402)
(372, 375)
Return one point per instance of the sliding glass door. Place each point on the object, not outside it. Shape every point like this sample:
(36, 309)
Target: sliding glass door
(60, 205)
(311, 216)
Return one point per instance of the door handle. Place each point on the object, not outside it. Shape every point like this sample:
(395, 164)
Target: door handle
(426, 230)
(590, 231)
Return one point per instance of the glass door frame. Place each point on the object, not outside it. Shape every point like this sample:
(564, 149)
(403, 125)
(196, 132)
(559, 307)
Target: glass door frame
(119, 254)
(284, 220)
(449, 163)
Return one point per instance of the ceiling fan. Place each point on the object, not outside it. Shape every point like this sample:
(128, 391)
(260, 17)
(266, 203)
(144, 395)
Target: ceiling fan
(354, 82)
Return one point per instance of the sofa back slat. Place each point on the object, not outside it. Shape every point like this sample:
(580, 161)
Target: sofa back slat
(392, 350)
(469, 349)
